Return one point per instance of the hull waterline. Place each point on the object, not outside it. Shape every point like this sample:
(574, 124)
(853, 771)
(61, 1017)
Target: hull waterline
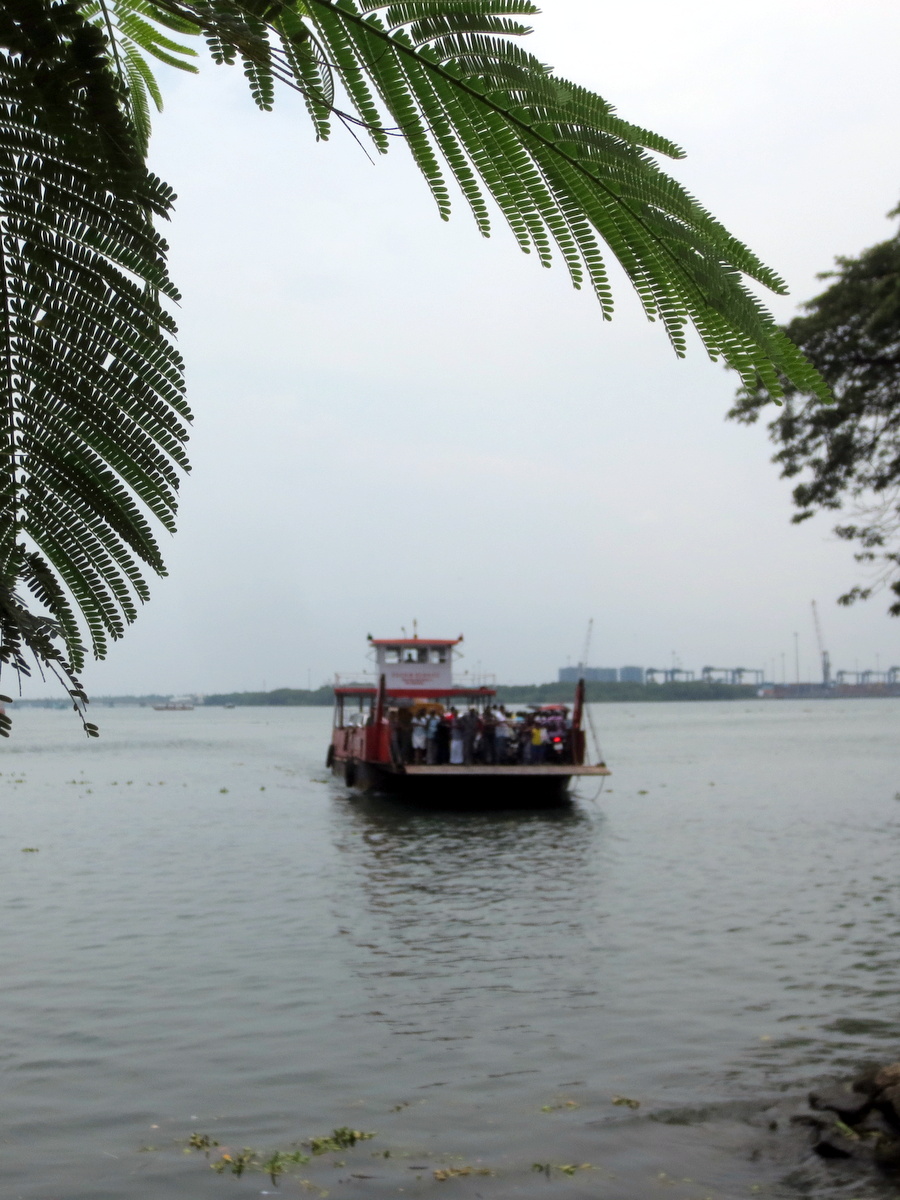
(480, 787)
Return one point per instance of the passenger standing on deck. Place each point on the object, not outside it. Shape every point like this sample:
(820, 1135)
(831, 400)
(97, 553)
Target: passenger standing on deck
(489, 737)
(545, 738)
(432, 731)
(457, 741)
(520, 730)
(419, 737)
(525, 729)
(501, 736)
(444, 736)
(538, 742)
(470, 731)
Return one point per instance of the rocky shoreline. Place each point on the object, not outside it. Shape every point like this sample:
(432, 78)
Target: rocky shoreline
(857, 1120)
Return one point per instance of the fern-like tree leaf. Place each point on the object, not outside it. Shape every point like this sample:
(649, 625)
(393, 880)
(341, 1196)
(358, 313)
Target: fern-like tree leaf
(94, 419)
(451, 79)
(132, 30)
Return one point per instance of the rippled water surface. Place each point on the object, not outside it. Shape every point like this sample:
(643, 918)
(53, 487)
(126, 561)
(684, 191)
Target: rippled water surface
(213, 937)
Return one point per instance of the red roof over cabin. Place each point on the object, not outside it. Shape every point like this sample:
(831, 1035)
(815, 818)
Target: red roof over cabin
(413, 693)
(419, 641)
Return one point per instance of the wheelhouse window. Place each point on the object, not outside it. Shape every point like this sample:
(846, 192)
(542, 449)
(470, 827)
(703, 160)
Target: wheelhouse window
(392, 654)
(438, 654)
(415, 654)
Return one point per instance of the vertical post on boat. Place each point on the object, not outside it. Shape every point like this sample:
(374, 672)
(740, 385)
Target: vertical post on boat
(579, 705)
(378, 739)
(379, 703)
(577, 735)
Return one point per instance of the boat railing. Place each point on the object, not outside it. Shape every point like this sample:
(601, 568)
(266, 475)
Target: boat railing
(474, 679)
(349, 678)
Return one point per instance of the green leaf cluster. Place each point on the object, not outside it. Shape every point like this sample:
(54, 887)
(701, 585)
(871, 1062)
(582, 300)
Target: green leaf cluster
(846, 455)
(93, 412)
(343, 1138)
(134, 30)
(570, 178)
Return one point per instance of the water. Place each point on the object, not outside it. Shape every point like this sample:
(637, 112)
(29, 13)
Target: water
(214, 937)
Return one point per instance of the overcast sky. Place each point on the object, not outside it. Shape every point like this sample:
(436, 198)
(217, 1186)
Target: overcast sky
(397, 419)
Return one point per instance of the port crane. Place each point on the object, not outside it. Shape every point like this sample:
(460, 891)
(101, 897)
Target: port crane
(708, 674)
(823, 653)
(873, 677)
(733, 675)
(669, 674)
(738, 673)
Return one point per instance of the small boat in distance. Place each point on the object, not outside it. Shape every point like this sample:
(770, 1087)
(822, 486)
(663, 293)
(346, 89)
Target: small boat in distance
(415, 734)
(175, 704)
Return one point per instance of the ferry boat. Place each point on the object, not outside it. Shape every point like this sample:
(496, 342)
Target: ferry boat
(372, 738)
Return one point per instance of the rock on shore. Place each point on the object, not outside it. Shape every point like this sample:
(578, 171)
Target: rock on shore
(858, 1120)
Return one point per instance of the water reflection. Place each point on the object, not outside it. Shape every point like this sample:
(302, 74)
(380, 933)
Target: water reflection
(383, 819)
(478, 913)
(491, 857)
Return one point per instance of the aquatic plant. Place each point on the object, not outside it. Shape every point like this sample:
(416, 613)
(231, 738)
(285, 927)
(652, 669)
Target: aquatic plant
(339, 1139)
(443, 1173)
(569, 1169)
(273, 1163)
(201, 1141)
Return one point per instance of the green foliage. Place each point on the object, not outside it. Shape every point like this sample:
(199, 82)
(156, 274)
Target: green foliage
(273, 1163)
(547, 1168)
(528, 693)
(279, 1161)
(92, 431)
(236, 1162)
(451, 80)
(847, 455)
(201, 1141)
(94, 420)
(132, 30)
(343, 1138)
(279, 697)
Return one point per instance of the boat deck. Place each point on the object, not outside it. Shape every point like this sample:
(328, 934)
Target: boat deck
(563, 770)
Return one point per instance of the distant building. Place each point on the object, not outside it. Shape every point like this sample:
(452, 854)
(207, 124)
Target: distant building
(631, 674)
(588, 674)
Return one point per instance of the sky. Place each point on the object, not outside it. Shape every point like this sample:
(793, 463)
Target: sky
(396, 419)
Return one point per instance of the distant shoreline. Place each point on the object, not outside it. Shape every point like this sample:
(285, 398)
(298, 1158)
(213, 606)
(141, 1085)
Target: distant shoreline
(533, 693)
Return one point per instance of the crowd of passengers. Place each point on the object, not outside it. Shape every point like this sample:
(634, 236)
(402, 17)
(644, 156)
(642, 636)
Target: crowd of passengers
(432, 735)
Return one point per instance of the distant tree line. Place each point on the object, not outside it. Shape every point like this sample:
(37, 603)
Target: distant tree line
(97, 701)
(533, 693)
(280, 697)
